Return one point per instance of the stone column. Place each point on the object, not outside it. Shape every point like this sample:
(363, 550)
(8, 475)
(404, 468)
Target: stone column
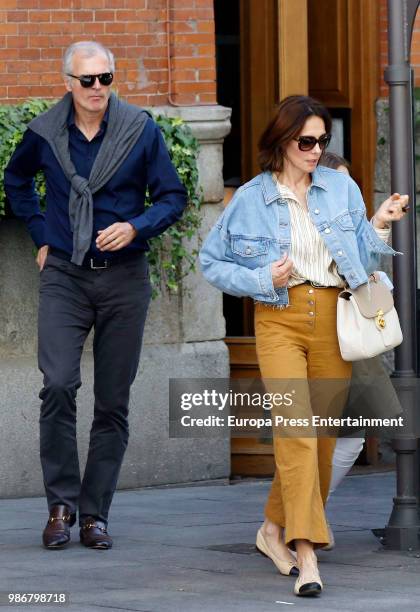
(202, 312)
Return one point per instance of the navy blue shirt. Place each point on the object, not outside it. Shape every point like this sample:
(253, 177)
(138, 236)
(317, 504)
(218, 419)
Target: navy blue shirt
(148, 165)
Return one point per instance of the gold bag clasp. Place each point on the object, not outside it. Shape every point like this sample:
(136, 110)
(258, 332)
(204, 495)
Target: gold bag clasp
(380, 319)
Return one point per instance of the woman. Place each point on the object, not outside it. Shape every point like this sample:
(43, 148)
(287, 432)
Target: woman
(291, 238)
(371, 391)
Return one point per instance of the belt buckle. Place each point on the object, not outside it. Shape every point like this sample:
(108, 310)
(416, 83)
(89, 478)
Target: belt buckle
(315, 286)
(93, 267)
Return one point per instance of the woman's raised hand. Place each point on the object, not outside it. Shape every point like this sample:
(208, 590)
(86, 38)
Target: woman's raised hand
(281, 270)
(392, 209)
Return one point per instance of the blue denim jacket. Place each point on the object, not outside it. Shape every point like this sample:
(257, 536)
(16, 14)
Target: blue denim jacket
(254, 230)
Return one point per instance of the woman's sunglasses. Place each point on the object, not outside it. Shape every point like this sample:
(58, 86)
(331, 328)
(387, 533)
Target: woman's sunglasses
(88, 80)
(307, 143)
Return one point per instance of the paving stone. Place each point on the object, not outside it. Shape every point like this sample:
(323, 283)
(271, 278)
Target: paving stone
(191, 549)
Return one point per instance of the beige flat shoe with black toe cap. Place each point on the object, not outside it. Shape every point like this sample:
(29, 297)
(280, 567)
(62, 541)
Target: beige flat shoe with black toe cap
(308, 584)
(285, 566)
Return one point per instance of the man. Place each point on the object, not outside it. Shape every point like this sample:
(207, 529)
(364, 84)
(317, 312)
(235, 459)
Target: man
(98, 155)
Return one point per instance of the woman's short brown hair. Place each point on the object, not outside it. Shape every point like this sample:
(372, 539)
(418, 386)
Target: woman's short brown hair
(287, 123)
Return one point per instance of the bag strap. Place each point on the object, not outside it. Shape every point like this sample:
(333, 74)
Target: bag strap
(370, 297)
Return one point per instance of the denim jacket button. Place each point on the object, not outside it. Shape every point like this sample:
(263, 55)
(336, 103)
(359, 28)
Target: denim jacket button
(248, 250)
(339, 253)
(316, 211)
(328, 231)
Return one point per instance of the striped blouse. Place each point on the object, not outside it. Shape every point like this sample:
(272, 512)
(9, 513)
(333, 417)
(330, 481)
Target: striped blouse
(311, 258)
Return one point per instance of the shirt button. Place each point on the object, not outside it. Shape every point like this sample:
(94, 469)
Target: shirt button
(328, 231)
(310, 313)
(316, 211)
(310, 291)
(339, 253)
(311, 302)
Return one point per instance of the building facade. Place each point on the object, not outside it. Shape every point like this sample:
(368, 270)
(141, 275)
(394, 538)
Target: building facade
(222, 66)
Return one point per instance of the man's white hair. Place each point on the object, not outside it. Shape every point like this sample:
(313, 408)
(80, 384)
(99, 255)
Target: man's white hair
(88, 48)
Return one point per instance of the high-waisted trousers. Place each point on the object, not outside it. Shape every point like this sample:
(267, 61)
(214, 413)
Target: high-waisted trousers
(300, 344)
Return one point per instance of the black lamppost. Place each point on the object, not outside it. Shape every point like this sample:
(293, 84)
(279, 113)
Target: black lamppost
(402, 531)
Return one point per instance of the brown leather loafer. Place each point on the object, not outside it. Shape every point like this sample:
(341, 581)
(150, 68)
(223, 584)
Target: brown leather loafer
(57, 530)
(93, 534)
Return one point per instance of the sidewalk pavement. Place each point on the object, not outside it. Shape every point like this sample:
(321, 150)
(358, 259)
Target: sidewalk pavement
(191, 549)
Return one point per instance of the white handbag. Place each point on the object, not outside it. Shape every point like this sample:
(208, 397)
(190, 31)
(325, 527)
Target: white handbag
(367, 322)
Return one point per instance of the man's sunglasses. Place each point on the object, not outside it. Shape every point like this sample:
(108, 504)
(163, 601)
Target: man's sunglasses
(307, 143)
(88, 80)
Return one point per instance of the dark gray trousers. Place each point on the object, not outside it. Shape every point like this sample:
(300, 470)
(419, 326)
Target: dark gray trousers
(114, 302)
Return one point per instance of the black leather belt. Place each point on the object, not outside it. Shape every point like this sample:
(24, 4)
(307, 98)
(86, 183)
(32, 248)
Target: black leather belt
(98, 263)
(315, 286)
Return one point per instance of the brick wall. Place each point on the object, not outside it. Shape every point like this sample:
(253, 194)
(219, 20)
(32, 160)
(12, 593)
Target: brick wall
(383, 46)
(415, 47)
(34, 33)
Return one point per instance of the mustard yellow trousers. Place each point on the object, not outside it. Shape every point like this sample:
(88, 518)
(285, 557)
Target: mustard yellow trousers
(299, 343)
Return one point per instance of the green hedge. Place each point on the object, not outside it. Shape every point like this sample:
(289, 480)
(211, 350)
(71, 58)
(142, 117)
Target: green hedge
(169, 257)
